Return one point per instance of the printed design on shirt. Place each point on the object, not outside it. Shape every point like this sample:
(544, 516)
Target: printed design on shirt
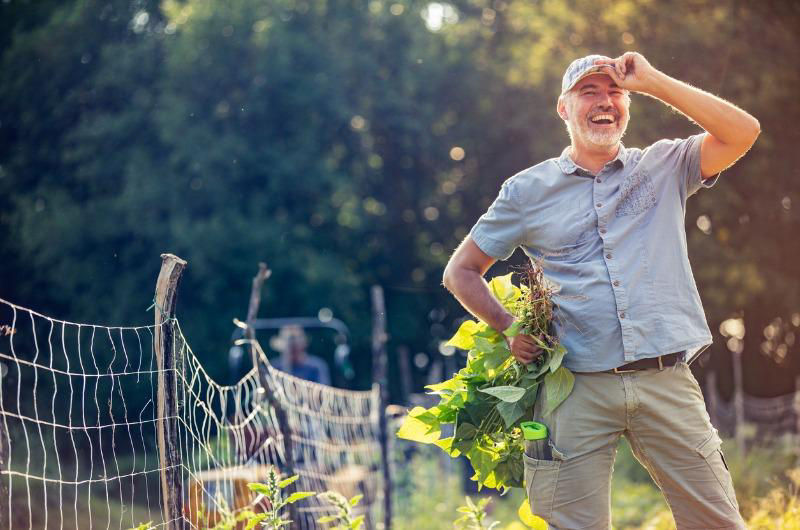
(637, 194)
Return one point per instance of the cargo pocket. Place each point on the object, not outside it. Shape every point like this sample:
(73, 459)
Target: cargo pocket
(541, 479)
(711, 452)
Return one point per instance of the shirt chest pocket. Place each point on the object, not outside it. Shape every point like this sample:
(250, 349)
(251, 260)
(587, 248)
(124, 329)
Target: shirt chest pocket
(636, 195)
(560, 235)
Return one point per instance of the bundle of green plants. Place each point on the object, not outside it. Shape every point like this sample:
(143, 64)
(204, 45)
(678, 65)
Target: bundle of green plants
(486, 401)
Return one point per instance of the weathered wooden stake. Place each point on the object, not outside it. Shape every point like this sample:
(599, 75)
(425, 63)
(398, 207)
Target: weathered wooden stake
(269, 388)
(379, 366)
(712, 397)
(738, 402)
(797, 414)
(5, 512)
(168, 397)
(404, 365)
(252, 308)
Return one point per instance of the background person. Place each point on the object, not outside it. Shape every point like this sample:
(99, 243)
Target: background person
(294, 358)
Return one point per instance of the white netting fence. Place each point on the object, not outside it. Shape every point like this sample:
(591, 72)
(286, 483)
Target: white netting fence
(78, 431)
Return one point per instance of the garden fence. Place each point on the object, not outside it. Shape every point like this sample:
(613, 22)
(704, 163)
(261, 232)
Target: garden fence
(111, 427)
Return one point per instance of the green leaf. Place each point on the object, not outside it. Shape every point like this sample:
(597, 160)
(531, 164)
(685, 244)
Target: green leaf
(536, 370)
(466, 431)
(488, 333)
(254, 521)
(502, 288)
(509, 394)
(258, 488)
(447, 387)
(510, 412)
(557, 357)
(558, 386)
(483, 462)
(477, 409)
(528, 519)
(463, 338)
(246, 514)
(355, 500)
(418, 411)
(470, 503)
(421, 428)
(513, 329)
(327, 519)
(483, 345)
(529, 400)
(357, 522)
(294, 497)
(283, 483)
(494, 358)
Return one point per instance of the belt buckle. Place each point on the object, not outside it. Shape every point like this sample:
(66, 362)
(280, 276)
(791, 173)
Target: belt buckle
(618, 371)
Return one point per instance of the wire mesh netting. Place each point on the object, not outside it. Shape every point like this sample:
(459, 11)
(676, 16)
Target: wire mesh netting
(79, 422)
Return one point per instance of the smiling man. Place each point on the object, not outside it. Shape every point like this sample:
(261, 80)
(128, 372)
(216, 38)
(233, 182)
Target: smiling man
(606, 223)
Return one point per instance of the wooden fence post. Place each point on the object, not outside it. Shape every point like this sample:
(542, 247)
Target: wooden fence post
(797, 414)
(379, 366)
(738, 402)
(168, 397)
(712, 397)
(269, 389)
(4, 464)
(252, 308)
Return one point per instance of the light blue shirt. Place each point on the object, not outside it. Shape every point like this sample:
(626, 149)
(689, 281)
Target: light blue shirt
(614, 245)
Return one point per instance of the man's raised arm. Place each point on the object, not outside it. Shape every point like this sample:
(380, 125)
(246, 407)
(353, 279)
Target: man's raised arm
(731, 131)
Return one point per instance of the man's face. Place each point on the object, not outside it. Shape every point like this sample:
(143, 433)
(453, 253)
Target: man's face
(596, 111)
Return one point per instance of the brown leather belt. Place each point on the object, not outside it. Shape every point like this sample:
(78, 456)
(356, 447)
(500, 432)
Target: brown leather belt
(670, 359)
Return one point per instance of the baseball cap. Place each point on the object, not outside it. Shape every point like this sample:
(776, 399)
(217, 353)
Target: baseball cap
(580, 68)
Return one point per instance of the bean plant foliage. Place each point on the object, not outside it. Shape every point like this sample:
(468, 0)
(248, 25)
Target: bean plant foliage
(486, 401)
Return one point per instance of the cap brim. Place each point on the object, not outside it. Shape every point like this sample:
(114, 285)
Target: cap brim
(594, 70)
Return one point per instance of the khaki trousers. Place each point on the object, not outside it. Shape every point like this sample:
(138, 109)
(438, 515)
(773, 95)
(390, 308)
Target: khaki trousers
(663, 416)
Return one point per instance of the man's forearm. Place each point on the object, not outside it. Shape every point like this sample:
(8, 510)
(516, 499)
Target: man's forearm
(724, 121)
(473, 292)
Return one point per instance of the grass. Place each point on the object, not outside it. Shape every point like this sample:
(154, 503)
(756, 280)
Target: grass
(766, 479)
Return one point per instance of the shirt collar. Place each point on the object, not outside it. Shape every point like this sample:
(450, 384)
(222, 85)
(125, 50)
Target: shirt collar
(569, 167)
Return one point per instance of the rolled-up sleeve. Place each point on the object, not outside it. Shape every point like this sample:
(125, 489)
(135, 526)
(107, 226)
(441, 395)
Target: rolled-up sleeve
(501, 229)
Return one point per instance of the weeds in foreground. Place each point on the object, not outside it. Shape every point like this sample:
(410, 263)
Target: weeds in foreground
(343, 518)
(475, 516)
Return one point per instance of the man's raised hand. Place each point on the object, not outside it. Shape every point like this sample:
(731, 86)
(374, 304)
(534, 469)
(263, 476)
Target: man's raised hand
(630, 71)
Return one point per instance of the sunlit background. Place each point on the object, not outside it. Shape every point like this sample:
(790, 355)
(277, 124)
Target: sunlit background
(354, 143)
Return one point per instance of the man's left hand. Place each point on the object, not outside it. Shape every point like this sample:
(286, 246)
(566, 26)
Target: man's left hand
(631, 71)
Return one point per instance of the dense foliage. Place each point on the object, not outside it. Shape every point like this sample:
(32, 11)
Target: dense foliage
(353, 142)
(486, 401)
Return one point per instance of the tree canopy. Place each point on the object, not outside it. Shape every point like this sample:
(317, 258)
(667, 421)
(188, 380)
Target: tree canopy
(352, 142)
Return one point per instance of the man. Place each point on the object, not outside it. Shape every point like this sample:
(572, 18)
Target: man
(606, 223)
(295, 360)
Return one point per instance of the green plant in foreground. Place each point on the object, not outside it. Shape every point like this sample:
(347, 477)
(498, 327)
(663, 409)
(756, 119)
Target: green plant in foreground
(343, 518)
(487, 399)
(475, 515)
(271, 492)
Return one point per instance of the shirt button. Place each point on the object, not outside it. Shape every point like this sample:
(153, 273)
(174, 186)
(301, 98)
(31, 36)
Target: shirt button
(602, 230)
(608, 256)
(599, 181)
(599, 204)
(616, 283)
(622, 314)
